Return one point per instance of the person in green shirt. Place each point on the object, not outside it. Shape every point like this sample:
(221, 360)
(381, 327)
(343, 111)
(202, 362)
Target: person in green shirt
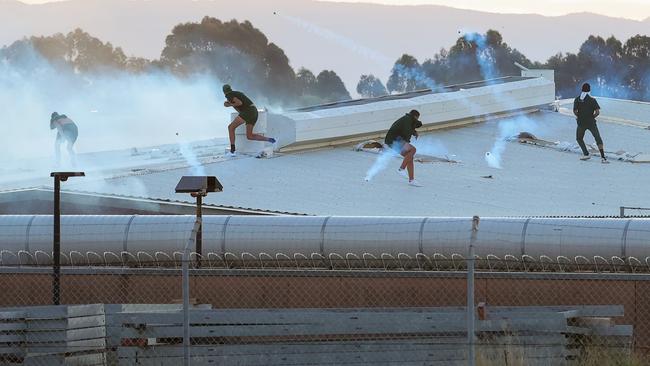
(399, 139)
(247, 115)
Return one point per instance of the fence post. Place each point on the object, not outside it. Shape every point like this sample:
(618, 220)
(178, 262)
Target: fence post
(186, 291)
(471, 314)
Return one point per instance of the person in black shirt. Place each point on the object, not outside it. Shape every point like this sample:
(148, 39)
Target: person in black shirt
(399, 139)
(586, 109)
(247, 115)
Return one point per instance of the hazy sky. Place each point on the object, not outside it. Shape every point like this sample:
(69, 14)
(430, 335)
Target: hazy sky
(633, 9)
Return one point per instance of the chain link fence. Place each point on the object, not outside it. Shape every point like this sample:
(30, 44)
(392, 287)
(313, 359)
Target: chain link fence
(336, 309)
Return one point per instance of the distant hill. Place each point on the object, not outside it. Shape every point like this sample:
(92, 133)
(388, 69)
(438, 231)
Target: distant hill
(350, 38)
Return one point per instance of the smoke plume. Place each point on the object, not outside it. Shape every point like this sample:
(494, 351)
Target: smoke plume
(112, 109)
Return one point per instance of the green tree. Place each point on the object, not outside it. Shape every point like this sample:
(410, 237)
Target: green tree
(79, 51)
(237, 53)
(330, 87)
(636, 52)
(305, 82)
(369, 87)
(475, 57)
(612, 68)
(406, 75)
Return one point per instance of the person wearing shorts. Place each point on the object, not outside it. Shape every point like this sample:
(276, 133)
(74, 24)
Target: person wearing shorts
(398, 138)
(247, 115)
(586, 109)
(66, 131)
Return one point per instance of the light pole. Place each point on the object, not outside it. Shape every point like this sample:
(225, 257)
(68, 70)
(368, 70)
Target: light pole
(199, 187)
(56, 242)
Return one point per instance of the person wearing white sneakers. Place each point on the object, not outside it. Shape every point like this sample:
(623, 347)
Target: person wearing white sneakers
(586, 109)
(398, 138)
(247, 115)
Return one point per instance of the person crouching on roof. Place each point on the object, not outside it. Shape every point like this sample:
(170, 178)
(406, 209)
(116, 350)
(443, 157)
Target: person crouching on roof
(399, 139)
(247, 115)
(66, 131)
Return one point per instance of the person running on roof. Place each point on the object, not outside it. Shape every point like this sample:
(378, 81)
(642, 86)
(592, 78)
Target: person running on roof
(586, 109)
(66, 130)
(247, 115)
(399, 139)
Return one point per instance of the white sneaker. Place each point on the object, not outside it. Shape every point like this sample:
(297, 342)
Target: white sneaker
(231, 154)
(403, 173)
(415, 183)
(585, 157)
(604, 161)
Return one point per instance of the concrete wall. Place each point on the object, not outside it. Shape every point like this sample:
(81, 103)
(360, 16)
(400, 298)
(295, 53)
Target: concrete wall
(371, 119)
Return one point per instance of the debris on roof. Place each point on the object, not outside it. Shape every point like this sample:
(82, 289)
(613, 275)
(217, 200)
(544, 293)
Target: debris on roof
(375, 147)
(619, 155)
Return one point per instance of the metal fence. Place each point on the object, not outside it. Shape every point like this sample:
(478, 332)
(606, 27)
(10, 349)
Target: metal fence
(335, 310)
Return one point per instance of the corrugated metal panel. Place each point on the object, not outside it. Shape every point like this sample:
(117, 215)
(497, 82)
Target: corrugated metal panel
(158, 233)
(279, 234)
(572, 237)
(13, 232)
(79, 233)
(637, 240)
(325, 235)
(375, 235)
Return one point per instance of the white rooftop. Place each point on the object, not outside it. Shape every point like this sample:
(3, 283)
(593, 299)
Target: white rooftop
(533, 181)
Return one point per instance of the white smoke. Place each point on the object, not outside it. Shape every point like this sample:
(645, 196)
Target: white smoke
(327, 34)
(484, 55)
(426, 145)
(430, 146)
(508, 129)
(113, 110)
(196, 168)
(381, 163)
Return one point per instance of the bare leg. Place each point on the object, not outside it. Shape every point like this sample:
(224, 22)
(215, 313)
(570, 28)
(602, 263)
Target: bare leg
(254, 136)
(231, 128)
(408, 152)
(71, 154)
(57, 151)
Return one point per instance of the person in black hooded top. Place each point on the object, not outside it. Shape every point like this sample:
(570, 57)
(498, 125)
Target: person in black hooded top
(399, 139)
(586, 109)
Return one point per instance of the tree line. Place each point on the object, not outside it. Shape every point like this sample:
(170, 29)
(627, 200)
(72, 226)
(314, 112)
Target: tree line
(613, 68)
(240, 54)
(231, 52)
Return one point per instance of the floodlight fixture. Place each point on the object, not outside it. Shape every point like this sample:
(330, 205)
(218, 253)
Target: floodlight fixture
(199, 187)
(63, 176)
(56, 241)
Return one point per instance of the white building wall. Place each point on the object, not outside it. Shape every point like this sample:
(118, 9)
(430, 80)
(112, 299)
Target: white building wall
(375, 118)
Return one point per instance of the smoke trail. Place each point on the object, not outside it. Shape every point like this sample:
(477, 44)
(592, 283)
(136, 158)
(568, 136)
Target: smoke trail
(113, 110)
(196, 168)
(416, 74)
(508, 129)
(427, 145)
(484, 55)
(381, 163)
(342, 40)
